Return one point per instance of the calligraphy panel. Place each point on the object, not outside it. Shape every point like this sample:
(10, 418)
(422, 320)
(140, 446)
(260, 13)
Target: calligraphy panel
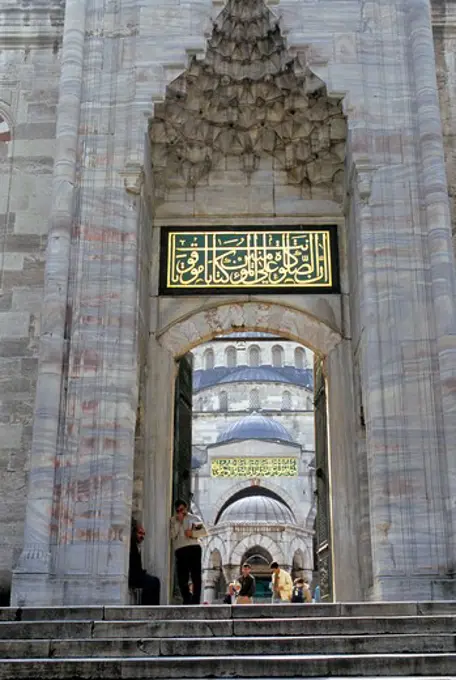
(295, 259)
(254, 467)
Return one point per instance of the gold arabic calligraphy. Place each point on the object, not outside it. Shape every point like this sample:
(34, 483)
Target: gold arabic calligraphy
(254, 467)
(249, 258)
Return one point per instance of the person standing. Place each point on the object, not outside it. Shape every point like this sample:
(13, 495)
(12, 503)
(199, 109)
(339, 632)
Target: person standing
(282, 585)
(138, 578)
(248, 586)
(186, 531)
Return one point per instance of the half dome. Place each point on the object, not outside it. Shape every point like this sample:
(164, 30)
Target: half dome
(257, 510)
(255, 426)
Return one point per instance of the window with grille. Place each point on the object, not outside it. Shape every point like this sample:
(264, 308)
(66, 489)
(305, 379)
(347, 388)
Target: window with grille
(300, 358)
(209, 359)
(277, 356)
(231, 359)
(223, 401)
(254, 400)
(254, 356)
(286, 401)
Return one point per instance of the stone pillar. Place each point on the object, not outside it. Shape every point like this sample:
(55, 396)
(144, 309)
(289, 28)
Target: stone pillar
(345, 511)
(94, 403)
(434, 194)
(159, 463)
(210, 576)
(31, 577)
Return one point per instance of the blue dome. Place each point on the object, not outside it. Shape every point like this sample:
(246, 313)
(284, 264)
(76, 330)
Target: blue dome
(255, 426)
(255, 374)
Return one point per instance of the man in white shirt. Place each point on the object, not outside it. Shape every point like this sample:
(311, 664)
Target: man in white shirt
(186, 531)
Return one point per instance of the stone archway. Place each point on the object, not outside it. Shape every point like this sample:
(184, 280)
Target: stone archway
(313, 325)
(309, 320)
(264, 541)
(255, 138)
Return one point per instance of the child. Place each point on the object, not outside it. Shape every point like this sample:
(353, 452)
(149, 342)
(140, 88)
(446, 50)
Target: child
(301, 591)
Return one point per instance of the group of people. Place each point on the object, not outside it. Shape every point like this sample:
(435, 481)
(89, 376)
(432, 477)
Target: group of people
(186, 531)
(283, 588)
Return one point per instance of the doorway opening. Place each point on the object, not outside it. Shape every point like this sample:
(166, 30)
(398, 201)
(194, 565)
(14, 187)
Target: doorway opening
(245, 459)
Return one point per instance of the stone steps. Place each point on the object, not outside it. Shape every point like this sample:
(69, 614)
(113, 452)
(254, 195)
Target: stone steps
(225, 646)
(260, 641)
(200, 628)
(264, 666)
(353, 609)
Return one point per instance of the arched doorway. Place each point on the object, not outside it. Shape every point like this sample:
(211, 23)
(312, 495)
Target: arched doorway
(260, 559)
(310, 322)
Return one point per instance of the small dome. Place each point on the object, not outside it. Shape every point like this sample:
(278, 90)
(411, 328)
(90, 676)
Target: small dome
(258, 509)
(255, 426)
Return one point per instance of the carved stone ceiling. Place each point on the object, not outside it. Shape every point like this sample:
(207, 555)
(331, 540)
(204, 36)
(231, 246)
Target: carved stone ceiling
(248, 97)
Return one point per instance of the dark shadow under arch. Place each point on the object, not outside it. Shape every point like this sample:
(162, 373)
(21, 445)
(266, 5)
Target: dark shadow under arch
(250, 491)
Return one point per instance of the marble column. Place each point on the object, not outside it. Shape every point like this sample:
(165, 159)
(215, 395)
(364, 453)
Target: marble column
(159, 463)
(31, 577)
(210, 576)
(442, 288)
(344, 487)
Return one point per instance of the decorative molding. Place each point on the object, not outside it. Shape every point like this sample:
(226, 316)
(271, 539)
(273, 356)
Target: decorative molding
(249, 97)
(32, 27)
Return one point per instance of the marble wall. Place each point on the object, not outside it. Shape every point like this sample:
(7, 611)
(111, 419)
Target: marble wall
(444, 32)
(30, 46)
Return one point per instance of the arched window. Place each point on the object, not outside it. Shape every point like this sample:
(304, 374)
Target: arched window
(209, 359)
(5, 130)
(223, 401)
(254, 399)
(231, 360)
(254, 356)
(286, 401)
(277, 356)
(300, 358)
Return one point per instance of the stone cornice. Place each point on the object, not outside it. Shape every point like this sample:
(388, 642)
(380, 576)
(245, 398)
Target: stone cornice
(38, 26)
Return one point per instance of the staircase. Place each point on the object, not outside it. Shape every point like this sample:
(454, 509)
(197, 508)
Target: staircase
(260, 641)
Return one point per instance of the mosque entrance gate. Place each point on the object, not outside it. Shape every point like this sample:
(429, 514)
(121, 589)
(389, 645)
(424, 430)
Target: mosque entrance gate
(255, 132)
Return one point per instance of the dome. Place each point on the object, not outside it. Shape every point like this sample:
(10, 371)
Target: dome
(255, 426)
(256, 374)
(258, 509)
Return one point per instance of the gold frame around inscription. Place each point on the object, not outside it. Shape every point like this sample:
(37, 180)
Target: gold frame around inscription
(294, 259)
(254, 467)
